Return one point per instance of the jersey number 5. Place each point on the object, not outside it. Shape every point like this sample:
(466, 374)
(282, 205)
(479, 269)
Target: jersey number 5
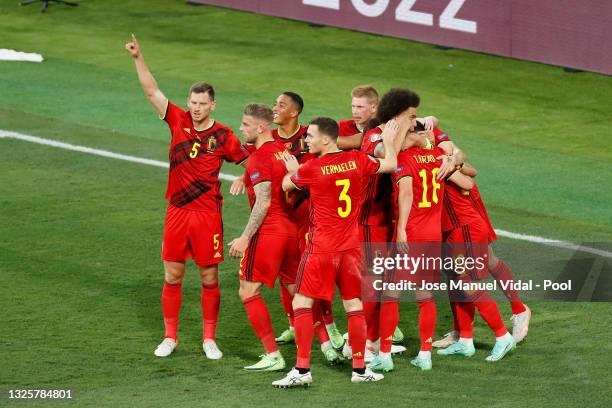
(345, 183)
(425, 203)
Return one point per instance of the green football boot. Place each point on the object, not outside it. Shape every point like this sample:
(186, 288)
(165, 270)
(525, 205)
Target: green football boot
(335, 337)
(501, 348)
(267, 363)
(288, 336)
(398, 336)
(422, 363)
(458, 349)
(381, 365)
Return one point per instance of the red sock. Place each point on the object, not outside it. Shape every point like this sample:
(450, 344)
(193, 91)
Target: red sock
(490, 314)
(258, 314)
(389, 318)
(465, 319)
(211, 297)
(357, 337)
(502, 274)
(304, 332)
(286, 300)
(427, 323)
(318, 323)
(456, 323)
(371, 311)
(326, 308)
(171, 305)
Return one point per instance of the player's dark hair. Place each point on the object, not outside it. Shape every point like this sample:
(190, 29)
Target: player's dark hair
(295, 98)
(419, 127)
(327, 126)
(394, 102)
(203, 87)
(259, 111)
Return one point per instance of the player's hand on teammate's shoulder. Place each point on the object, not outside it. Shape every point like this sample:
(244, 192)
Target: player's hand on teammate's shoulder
(132, 47)
(237, 187)
(291, 163)
(238, 246)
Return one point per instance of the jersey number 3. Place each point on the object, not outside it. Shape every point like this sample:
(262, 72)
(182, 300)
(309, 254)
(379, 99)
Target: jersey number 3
(345, 183)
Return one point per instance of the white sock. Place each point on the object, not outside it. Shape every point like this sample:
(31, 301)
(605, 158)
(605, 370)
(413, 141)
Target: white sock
(330, 326)
(383, 356)
(424, 355)
(466, 341)
(505, 337)
(275, 354)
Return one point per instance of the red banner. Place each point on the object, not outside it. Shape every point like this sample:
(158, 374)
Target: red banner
(569, 33)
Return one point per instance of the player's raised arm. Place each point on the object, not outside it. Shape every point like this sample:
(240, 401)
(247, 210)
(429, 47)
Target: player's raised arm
(148, 83)
(389, 136)
(462, 180)
(350, 142)
(469, 170)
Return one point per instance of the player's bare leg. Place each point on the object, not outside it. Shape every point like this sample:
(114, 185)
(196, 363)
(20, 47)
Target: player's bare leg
(211, 297)
(171, 304)
(521, 314)
(259, 317)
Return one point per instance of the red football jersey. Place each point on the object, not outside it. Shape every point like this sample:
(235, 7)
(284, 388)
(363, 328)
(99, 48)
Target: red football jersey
(478, 204)
(195, 161)
(348, 127)
(296, 144)
(377, 207)
(440, 136)
(458, 208)
(335, 181)
(266, 164)
(424, 222)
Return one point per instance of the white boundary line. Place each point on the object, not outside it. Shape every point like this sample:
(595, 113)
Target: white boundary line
(229, 177)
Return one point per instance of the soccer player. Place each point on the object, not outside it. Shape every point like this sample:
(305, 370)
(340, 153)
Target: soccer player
(521, 314)
(335, 180)
(419, 206)
(364, 103)
(364, 100)
(193, 227)
(466, 235)
(268, 245)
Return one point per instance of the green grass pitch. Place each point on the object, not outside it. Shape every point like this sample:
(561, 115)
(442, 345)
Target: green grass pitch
(80, 235)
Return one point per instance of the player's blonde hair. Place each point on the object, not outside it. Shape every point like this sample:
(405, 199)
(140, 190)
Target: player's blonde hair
(365, 91)
(259, 111)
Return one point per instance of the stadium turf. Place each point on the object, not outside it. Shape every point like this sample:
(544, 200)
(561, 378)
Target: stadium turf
(80, 235)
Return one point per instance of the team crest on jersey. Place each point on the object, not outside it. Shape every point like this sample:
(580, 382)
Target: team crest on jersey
(212, 141)
(375, 137)
(399, 169)
(254, 176)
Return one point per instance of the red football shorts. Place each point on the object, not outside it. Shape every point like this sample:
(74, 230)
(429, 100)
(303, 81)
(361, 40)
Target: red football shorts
(192, 234)
(319, 273)
(469, 241)
(269, 257)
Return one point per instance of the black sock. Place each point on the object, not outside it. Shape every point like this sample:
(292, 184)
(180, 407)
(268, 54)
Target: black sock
(359, 370)
(302, 370)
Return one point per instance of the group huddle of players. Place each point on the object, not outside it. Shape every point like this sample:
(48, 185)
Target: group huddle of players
(322, 197)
